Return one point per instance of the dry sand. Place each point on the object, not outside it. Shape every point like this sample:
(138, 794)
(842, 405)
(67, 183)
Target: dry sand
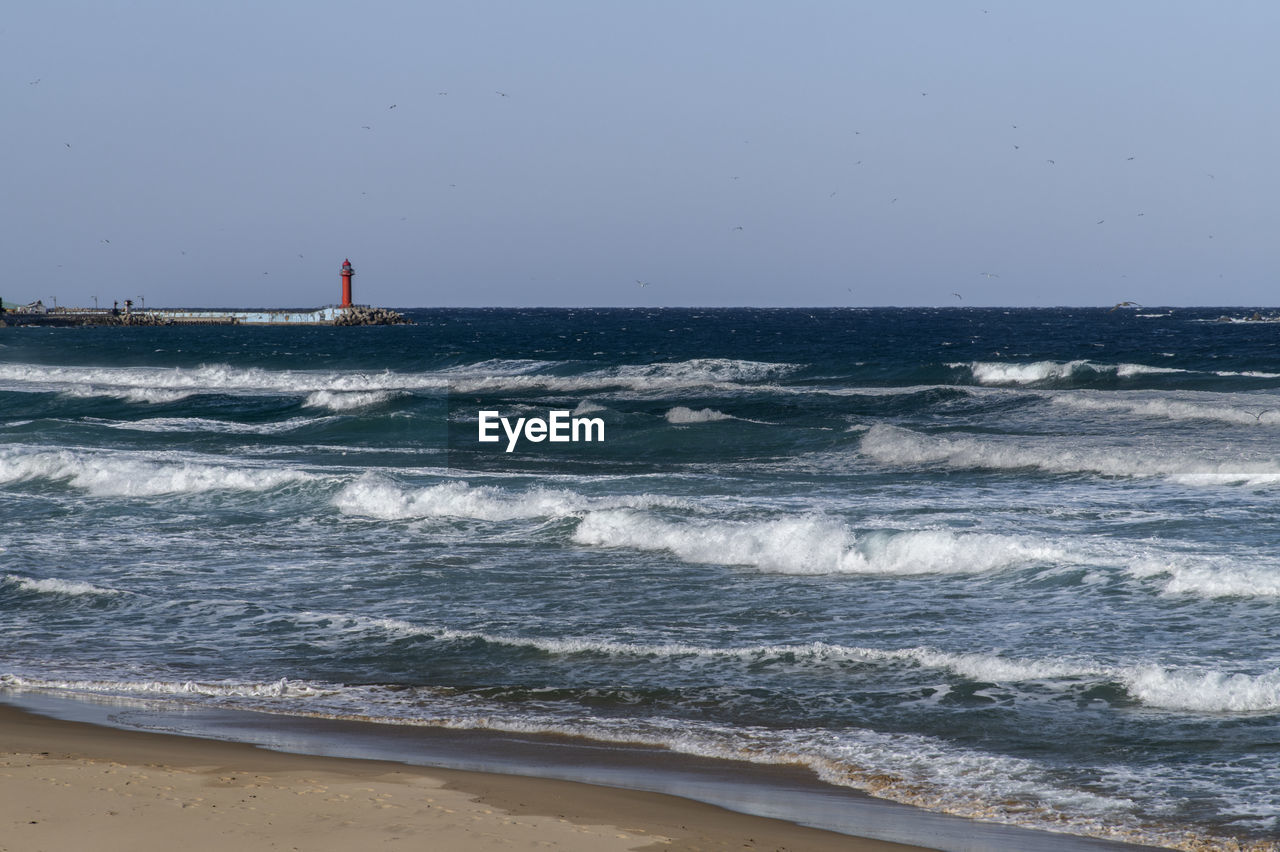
(71, 786)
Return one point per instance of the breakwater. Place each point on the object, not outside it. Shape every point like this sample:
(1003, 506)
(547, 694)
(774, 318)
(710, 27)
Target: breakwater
(330, 315)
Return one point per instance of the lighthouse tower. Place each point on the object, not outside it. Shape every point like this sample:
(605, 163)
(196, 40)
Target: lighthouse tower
(347, 272)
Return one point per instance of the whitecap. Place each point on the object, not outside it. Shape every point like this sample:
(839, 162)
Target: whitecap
(810, 545)
(55, 586)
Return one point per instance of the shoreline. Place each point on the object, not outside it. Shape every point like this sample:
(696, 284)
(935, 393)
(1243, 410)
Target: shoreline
(140, 791)
(527, 785)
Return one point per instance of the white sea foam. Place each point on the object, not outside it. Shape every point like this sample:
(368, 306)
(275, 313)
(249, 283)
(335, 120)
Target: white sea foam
(378, 497)
(157, 384)
(55, 586)
(809, 545)
(1198, 691)
(1264, 410)
(1219, 577)
(205, 424)
(1037, 372)
(347, 400)
(903, 447)
(715, 373)
(586, 406)
(1204, 691)
(681, 415)
(905, 767)
(283, 688)
(127, 475)
(149, 395)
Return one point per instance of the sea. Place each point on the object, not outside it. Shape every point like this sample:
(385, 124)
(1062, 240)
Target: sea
(1018, 565)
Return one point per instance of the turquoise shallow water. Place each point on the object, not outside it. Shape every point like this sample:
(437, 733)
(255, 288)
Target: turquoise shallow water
(1013, 564)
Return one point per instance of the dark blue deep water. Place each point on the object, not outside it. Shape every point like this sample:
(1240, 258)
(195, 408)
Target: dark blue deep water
(1014, 564)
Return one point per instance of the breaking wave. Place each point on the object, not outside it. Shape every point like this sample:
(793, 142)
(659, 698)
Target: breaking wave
(54, 586)
(205, 424)
(1047, 372)
(378, 497)
(1208, 691)
(347, 400)
(152, 384)
(1218, 578)
(118, 475)
(1176, 409)
(893, 445)
(681, 415)
(154, 396)
(810, 545)
(282, 688)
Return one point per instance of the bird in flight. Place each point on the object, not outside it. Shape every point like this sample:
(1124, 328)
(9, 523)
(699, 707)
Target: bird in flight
(501, 94)
(642, 283)
(1125, 304)
(989, 274)
(958, 296)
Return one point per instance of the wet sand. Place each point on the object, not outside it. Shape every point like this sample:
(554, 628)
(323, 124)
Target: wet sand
(70, 785)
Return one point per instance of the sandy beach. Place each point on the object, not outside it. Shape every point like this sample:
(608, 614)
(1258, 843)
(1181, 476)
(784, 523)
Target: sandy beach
(68, 785)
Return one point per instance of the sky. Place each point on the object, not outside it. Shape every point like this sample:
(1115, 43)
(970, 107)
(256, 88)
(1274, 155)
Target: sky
(664, 153)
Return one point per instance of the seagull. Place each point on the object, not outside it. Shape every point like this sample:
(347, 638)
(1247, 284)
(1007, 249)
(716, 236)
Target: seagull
(393, 106)
(1051, 162)
(642, 283)
(501, 94)
(957, 295)
(989, 274)
(738, 228)
(1124, 305)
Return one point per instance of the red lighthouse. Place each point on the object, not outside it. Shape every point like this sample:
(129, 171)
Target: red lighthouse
(347, 272)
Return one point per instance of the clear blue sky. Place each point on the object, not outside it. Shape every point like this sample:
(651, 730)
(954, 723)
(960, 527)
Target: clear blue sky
(725, 153)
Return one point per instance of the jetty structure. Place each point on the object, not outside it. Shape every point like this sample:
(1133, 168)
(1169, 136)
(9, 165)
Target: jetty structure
(344, 313)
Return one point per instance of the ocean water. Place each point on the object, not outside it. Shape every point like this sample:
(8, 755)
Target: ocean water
(1019, 565)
